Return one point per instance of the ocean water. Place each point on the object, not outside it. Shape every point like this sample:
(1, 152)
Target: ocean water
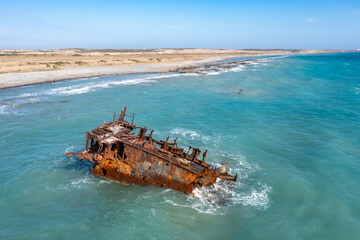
(292, 136)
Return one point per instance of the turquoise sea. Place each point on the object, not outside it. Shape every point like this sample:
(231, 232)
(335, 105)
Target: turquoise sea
(292, 136)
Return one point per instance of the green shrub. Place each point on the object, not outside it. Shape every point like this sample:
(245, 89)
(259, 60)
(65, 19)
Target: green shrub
(80, 62)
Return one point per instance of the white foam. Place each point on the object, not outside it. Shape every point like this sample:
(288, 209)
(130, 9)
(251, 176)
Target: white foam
(3, 110)
(71, 149)
(78, 182)
(357, 90)
(27, 95)
(214, 73)
(85, 87)
(189, 134)
(224, 194)
(165, 76)
(270, 59)
(190, 74)
(77, 89)
(9, 104)
(71, 184)
(185, 133)
(246, 191)
(25, 98)
(257, 198)
(238, 68)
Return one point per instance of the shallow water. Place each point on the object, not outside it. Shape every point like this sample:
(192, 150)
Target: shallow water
(292, 137)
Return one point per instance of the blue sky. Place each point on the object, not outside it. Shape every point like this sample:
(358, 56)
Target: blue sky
(224, 24)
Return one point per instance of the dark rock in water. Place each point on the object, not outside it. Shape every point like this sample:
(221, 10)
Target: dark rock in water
(239, 91)
(212, 67)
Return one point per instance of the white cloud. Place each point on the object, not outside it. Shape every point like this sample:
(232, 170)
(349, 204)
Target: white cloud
(3, 30)
(310, 19)
(175, 27)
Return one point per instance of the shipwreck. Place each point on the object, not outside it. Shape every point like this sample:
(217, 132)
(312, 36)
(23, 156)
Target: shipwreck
(121, 152)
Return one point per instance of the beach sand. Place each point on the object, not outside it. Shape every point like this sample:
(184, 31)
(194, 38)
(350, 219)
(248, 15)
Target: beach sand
(25, 67)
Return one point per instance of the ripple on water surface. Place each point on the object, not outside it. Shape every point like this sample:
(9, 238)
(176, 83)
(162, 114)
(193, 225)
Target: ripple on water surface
(292, 137)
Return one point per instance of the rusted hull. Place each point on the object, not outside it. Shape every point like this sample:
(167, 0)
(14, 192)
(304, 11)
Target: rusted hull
(119, 155)
(145, 169)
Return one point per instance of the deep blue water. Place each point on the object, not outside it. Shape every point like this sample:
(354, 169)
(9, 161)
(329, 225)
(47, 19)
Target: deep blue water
(292, 136)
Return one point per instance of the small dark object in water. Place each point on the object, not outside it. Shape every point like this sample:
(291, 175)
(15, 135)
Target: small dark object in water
(239, 91)
(120, 155)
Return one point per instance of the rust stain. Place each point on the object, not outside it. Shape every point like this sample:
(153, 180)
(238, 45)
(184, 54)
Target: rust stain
(119, 154)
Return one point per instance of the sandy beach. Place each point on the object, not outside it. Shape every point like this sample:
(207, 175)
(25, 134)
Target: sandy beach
(26, 67)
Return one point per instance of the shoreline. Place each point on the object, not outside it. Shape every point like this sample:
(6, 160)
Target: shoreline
(19, 79)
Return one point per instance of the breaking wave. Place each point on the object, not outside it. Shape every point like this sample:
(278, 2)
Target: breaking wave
(246, 191)
(248, 63)
(80, 89)
(224, 194)
(8, 104)
(3, 109)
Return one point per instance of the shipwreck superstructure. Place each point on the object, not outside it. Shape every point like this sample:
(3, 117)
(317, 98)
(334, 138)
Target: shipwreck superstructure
(120, 154)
